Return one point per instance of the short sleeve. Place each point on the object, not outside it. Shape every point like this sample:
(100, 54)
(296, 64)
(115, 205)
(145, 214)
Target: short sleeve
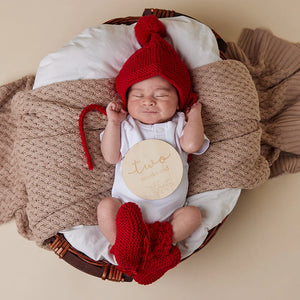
(204, 146)
(124, 139)
(101, 135)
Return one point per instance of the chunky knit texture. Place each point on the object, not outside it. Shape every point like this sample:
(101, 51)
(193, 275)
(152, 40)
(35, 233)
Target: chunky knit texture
(160, 256)
(156, 266)
(143, 251)
(148, 26)
(156, 57)
(45, 183)
(161, 238)
(131, 235)
(274, 65)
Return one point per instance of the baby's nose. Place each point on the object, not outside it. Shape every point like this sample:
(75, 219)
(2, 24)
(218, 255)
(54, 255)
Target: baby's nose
(148, 100)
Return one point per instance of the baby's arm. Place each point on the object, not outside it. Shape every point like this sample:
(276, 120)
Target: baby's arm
(111, 139)
(193, 135)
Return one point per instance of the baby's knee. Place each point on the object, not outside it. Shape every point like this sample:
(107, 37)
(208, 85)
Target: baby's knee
(191, 214)
(195, 214)
(107, 206)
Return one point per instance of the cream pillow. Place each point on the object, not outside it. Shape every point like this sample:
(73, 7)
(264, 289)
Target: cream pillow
(100, 52)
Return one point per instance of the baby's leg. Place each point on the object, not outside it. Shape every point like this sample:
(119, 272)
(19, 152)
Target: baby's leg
(106, 214)
(185, 221)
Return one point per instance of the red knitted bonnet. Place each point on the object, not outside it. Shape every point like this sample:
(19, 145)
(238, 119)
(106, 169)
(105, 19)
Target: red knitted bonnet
(156, 57)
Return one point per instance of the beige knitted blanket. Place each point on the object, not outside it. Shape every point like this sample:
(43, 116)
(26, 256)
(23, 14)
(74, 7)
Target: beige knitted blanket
(274, 65)
(45, 182)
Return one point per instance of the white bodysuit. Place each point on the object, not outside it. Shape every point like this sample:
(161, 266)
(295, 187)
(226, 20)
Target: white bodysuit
(132, 132)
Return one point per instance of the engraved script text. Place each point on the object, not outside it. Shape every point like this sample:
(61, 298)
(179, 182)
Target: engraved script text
(139, 169)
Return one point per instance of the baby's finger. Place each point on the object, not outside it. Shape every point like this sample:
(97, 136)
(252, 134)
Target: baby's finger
(115, 107)
(110, 105)
(197, 105)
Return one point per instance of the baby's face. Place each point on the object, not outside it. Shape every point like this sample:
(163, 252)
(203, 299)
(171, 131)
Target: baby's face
(153, 100)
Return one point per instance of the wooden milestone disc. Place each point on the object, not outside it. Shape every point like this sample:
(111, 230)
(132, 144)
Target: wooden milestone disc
(152, 169)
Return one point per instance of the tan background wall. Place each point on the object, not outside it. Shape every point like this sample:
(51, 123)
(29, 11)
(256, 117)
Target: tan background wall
(255, 255)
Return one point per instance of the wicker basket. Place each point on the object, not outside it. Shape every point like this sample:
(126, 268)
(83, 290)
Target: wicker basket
(104, 269)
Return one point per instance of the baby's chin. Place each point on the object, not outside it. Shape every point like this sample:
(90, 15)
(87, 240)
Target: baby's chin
(152, 121)
(150, 118)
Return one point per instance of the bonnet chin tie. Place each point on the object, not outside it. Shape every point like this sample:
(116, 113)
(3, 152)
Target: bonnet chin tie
(87, 109)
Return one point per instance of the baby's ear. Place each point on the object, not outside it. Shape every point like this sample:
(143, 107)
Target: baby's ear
(178, 103)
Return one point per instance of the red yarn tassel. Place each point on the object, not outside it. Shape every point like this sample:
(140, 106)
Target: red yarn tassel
(87, 109)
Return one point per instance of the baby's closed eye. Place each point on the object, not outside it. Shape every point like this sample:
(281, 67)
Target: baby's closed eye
(161, 95)
(138, 95)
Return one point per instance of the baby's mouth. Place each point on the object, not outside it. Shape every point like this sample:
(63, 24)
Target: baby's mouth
(150, 112)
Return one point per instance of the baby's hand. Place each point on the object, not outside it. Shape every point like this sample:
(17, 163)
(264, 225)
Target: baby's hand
(194, 111)
(115, 112)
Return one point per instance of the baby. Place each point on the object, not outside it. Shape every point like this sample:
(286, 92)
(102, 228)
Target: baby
(158, 103)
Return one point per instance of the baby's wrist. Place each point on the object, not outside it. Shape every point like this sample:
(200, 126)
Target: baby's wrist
(194, 116)
(114, 123)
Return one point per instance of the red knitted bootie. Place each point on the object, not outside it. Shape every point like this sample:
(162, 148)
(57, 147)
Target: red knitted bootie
(162, 254)
(161, 238)
(131, 233)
